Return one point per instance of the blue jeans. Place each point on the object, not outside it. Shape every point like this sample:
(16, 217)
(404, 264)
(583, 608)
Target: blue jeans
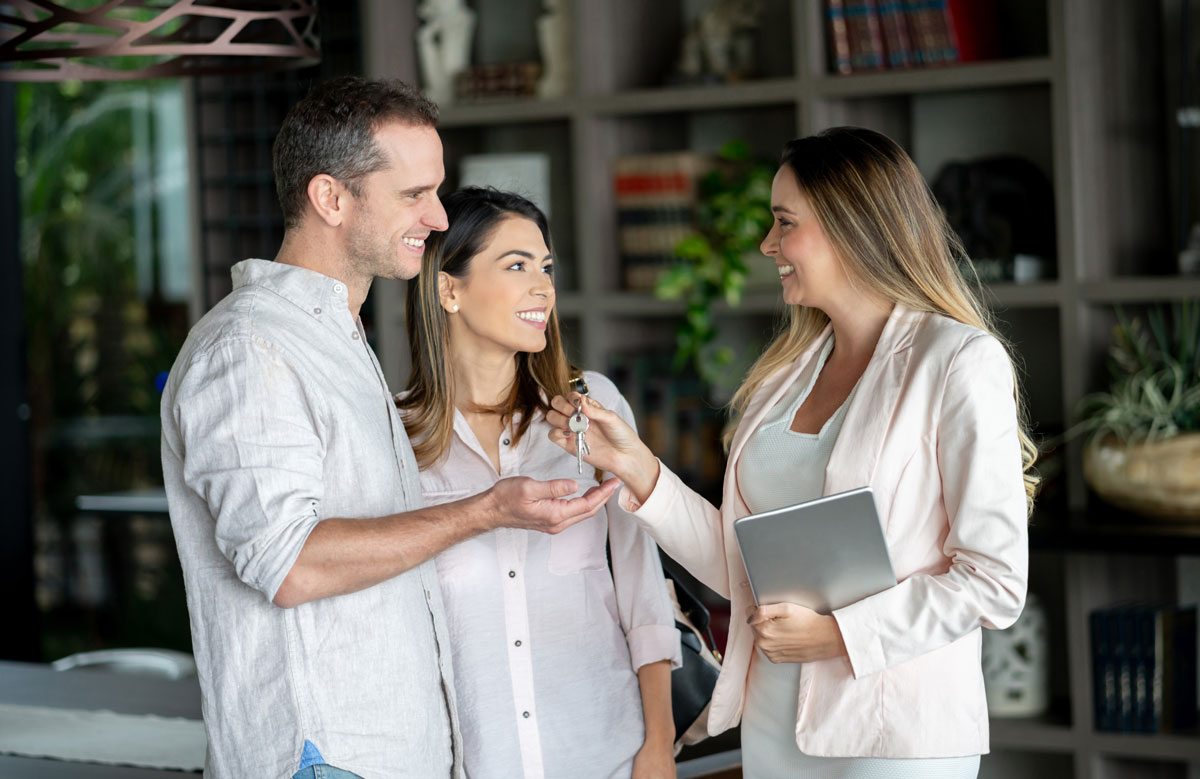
(323, 771)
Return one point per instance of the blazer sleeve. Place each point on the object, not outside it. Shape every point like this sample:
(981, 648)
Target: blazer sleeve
(982, 486)
(686, 526)
(643, 604)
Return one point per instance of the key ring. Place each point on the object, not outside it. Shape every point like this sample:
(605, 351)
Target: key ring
(577, 384)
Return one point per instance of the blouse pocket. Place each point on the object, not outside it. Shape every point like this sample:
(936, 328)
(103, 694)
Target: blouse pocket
(581, 547)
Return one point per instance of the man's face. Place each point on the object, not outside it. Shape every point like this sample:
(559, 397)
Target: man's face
(398, 206)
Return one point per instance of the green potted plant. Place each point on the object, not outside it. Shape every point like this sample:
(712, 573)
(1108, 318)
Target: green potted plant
(733, 217)
(1143, 453)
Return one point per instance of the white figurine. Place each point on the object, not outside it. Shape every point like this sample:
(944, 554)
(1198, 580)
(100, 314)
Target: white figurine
(443, 45)
(554, 40)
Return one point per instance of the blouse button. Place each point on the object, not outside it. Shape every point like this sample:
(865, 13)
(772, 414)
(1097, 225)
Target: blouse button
(505, 442)
(525, 714)
(354, 336)
(316, 310)
(512, 574)
(517, 642)
(338, 287)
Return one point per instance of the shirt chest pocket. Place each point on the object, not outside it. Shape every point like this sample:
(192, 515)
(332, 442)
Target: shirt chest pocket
(581, 547)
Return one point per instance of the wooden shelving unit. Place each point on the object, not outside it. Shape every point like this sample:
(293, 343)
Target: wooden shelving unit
(1085, 102)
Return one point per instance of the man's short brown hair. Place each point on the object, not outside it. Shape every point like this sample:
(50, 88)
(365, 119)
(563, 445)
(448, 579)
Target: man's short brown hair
(332, 130)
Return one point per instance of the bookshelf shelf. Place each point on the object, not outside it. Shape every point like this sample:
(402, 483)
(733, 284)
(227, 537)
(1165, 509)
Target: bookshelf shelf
(651, 101)
(1008, 295)
(1086, 107)
(1141, 289)
(1035, 734)
(1156, 747)
(981, 75)
(508, 112)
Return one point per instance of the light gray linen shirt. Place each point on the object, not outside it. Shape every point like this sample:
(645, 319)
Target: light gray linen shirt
(276, 415)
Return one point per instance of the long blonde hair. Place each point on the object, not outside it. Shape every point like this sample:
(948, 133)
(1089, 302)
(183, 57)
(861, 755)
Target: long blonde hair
(893, 240)
(428, 405)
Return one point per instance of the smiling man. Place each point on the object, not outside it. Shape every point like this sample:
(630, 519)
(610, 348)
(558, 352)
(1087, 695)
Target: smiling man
(295, 499)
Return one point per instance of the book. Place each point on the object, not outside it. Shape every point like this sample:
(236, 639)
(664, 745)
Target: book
(897, 44)
(974, 28)
(933, 41)
(837, 38)
(656, 197)
(1144, 668)
(1104, 675)
(864, 34)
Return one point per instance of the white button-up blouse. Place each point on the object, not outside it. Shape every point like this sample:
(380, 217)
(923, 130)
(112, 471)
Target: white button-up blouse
(546, 639)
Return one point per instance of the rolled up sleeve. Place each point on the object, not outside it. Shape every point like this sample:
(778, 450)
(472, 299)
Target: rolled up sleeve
(254, 451)
(643, 603)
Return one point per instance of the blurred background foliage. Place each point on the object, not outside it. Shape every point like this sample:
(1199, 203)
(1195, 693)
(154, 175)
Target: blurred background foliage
(102, 171)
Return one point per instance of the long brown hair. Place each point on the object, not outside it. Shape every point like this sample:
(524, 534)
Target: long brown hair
(892, 239)
(427, 408)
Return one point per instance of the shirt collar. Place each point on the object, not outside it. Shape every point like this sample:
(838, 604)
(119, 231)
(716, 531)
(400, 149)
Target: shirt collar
(312, 292)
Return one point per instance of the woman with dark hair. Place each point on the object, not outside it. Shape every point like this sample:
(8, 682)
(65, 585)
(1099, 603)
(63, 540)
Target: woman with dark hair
(889, 374)
(562, 667)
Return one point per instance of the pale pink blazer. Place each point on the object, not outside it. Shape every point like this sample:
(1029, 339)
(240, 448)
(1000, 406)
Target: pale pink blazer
(932, 428)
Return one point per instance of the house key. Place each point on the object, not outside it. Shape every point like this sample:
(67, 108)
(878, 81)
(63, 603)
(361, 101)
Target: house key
(579, 423)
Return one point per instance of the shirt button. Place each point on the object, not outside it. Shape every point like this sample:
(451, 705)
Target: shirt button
(517, 642)
(354, 336)
(505, 442)
(525, 714)
(512, 574)
(316, 310)
(338, 288)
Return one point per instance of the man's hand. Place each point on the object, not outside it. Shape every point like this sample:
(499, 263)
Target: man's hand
(788, 633)
(527, 504)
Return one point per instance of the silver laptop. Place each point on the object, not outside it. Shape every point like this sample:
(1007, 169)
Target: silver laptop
(824, 554)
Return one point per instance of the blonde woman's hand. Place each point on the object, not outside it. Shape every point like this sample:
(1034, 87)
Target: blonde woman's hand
(654, 761)
(788, 633)
(615, 446)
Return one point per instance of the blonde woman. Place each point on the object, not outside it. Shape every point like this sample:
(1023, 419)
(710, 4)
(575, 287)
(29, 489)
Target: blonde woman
(562, 667)
(889, 374)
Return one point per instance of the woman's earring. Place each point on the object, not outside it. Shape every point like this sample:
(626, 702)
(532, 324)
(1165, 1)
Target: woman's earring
(454, 308)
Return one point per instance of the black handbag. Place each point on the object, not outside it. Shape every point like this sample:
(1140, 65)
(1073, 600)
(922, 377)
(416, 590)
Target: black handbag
(693, 682)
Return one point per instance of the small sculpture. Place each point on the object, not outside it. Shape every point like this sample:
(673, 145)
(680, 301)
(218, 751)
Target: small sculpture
(554, 41)
(719, 44)
(443, 45)
(1016, 665)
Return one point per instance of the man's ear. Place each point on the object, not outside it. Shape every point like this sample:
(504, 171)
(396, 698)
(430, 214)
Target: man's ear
(329, 198)
(447, 289)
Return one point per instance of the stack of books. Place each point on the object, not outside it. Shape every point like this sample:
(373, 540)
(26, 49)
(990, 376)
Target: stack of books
(870, 35)
(504, 80)
(656, 196)
(1144, 668)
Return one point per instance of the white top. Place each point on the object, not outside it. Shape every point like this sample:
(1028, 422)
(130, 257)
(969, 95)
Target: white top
(779, 467)
(275, 416)
(545, 647)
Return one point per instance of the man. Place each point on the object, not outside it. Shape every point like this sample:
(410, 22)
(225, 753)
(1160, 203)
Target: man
(317, 623)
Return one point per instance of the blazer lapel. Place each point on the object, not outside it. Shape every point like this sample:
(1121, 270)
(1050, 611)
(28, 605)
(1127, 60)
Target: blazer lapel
(855, 454)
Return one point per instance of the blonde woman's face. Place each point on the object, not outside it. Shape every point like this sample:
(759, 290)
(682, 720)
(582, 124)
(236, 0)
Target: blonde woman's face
(504, 301)
(809, 270)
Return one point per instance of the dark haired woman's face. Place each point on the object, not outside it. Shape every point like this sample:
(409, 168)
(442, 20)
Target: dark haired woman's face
(809, 270)
(506, 297)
